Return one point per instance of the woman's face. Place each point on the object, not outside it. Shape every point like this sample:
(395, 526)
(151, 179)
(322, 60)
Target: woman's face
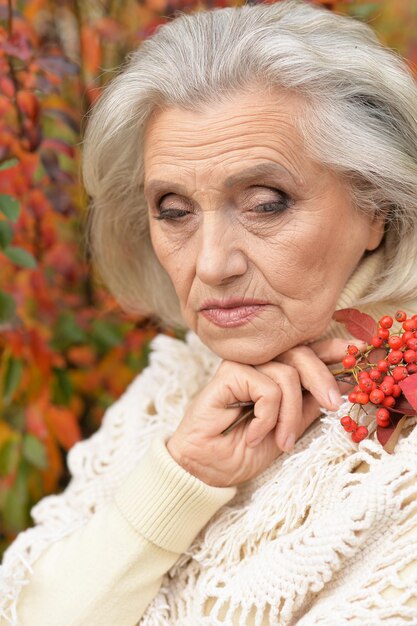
(257, 239)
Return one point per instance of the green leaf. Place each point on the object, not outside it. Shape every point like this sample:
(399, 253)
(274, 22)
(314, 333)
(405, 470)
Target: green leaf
(106, 335)
(6, 234)
(34, 451)
(20, 256)
(364, 11)
(67, 332)
(9, 207)
(10, 455)
(16, 509)
(62, 387)
(7, 307)
(12, 377)
(7, 164)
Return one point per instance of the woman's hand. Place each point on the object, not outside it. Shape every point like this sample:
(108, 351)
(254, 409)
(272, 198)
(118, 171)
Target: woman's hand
(282, 413)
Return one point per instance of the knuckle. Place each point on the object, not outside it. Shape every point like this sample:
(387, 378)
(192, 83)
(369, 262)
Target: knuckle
(272, 393)
(291, 374)
(298, 356)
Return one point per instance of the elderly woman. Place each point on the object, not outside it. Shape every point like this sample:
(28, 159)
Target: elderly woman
(252, 170)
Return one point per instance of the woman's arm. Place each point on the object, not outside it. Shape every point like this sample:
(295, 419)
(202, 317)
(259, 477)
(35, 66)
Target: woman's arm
(80, 526)
(109, 570)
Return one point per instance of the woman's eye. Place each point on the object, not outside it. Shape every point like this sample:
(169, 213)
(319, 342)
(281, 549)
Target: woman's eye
(271, 207)
(171, 207)
(171, 214)
(274, 206)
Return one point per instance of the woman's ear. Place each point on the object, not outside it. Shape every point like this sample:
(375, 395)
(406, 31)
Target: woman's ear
(376, 232)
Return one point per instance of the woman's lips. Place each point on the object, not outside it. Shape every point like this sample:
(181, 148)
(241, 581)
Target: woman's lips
(231, 314)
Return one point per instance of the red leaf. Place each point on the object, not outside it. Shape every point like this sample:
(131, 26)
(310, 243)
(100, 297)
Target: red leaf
(384, 434)
(388, 437)
(409, 389)
(360, 325)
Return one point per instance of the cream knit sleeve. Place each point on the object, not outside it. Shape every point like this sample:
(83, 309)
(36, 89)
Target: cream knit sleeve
(98, 551)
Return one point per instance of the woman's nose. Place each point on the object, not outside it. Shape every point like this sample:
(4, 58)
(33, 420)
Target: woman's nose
(220, 257)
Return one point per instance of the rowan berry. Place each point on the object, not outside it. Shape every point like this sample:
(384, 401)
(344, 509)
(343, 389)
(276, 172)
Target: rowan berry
(352, 350)
(366, 384)
(349, 362)
(395, 357)
(406, 336)
(357, 389)
(410, 356)
(375, 375)
(383, 423)
(352, 397)
(395, 342)
(396, 391)
(359, 434)
(386, 386)
(348, 423)
(412, 368)
(363, 374)
(412, 343)
(382, 413)
(399, 373)
(383, 333)
(377, 396)
(388, 401)
(362, 398)
(410, 324)
(377, 342)
(383, 365)
(389, 379)
(386, 321)
(345, 420)
(400, 316)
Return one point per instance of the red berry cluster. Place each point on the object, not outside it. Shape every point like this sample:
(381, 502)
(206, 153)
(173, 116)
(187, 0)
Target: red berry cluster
(378, 383)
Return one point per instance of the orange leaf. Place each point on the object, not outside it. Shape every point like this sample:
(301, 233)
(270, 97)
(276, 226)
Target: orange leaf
(35, 422)
(52, 474)
(82, 356)
(91, 49)
(64, 426)
(5, 432)
(28, 104)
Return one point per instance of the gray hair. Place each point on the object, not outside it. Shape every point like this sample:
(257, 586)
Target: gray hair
(361, 121)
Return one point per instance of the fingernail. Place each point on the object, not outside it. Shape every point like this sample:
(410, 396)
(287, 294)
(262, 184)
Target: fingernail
(289, 443)
(358, 343)
(335, 398)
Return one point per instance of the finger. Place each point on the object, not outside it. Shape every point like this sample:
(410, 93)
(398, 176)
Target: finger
(314, 375)
(333, 350)
(290, 410)
(311, 411)
(345, 388)
(246, 383)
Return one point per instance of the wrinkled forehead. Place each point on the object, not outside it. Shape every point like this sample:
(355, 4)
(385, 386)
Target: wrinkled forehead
(247, 134)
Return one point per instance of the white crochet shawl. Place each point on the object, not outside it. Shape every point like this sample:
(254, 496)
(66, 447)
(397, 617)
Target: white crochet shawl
(307, 542)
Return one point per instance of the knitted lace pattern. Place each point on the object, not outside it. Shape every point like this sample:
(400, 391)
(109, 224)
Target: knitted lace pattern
(308, 542)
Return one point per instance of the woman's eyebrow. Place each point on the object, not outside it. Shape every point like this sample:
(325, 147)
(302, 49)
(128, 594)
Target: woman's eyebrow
(262, 169)
(249, 173)
(154, 186)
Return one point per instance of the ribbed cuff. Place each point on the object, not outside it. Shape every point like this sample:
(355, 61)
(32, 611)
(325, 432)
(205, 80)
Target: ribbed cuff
(166, 504)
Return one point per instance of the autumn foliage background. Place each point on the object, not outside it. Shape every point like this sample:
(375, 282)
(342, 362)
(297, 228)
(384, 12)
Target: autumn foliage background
(66, 350)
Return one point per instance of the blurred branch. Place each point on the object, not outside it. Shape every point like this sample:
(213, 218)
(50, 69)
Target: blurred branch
(12, 69)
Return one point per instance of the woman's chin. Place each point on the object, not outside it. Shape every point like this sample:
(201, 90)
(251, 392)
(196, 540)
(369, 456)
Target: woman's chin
(247, 350)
